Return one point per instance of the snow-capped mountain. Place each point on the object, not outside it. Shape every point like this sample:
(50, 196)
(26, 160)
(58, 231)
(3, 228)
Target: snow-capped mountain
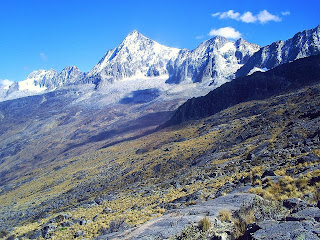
(140, 57)
(41, 81)
(302, 44)
(216, 59)
(147, 63)
(136, 57)
(69, 75)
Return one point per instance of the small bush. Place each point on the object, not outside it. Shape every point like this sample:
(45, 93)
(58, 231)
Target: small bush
(225, 215)
(204, 224)
(241, 221)
(3, 233)
(191, 233)
(114, 226)
(316, 197)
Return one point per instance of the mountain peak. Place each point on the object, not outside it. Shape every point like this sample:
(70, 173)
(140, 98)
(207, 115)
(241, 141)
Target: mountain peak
(134, 32)
(134, 36)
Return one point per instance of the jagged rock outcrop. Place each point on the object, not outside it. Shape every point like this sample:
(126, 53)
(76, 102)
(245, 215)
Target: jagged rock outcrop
(69, 75)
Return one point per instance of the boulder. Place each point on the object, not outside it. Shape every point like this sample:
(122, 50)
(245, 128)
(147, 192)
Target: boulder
(268, 173)
(307, 214)
(47, 230)
(284, 230)
(294, 203)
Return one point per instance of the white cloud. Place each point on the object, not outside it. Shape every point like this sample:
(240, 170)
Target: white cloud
(5, 83)
(248, 17)
(200, 37)
(286, 13)
(227, 32)
(43, 56)
(264, 17)
(216, 14)
(230, 14)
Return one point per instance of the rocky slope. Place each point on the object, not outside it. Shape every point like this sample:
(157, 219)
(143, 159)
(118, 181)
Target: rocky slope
(178, 175)
(287, 77)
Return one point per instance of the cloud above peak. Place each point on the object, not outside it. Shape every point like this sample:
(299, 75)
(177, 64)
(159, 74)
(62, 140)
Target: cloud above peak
(227, 32)
(264, 17)
(230, 14)
(248, 17)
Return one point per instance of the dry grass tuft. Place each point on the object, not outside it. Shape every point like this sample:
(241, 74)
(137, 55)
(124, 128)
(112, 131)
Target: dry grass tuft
(225, 215)
(241, 221)
(204, 224)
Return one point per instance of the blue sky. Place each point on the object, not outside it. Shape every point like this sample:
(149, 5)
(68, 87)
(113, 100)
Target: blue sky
(54, 34)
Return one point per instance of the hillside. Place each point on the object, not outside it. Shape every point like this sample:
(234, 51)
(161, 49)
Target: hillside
(112, 154)
(266, 147)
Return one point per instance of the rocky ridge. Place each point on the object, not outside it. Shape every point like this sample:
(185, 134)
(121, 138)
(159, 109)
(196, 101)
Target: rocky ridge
(257, 86)
(213, 61)
(301, 45)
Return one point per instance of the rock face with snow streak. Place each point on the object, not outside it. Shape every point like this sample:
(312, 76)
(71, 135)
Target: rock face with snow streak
(136, 57)
(302, 44)
(215, 59)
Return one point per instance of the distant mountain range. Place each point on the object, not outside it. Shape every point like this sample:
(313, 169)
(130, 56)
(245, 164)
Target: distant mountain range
(213, 62)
